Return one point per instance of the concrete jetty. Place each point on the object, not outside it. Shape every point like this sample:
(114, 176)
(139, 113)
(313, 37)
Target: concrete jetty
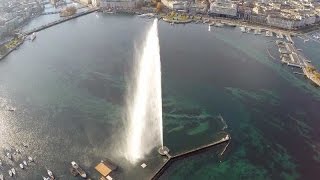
(186, 154)
(60, 21)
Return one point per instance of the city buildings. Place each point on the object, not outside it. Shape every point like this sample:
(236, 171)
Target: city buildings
(286, 14)
(118, 4)
(15, 13)
(224, 8)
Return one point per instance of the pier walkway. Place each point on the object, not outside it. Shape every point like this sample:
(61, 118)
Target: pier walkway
(191, 152)
(59, 21)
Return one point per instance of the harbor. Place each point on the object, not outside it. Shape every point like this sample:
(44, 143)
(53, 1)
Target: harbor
(290, 56)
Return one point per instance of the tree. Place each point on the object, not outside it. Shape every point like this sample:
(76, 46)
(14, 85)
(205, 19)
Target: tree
(159, 7)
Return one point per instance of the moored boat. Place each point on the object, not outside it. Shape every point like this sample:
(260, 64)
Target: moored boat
(1, 177)
(9, 156)
(21, 166)
(33, 36)
(78, 169)
(45, 178)
(25, 163)
(50, 173)
(10, 173)
(13, 171)
(243, 29)
(24, 144)
(30, 159)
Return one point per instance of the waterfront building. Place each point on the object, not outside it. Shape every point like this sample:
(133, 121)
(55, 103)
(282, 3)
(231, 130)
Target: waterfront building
(86, 2)
(224, 8)
(96, 3)
(281, 22)
(117, 4)
(176, 5)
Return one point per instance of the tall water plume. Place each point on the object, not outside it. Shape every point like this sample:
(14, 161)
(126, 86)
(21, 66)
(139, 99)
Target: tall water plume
(144, 101)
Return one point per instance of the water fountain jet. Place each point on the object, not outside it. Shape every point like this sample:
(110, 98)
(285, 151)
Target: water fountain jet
(144, 101)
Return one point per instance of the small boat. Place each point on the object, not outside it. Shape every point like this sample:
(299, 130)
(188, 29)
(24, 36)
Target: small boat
(13, 171)
(30, 159)
(33, 36)
(24, 144)
(10, 173)
(25, 163)
(243, 29)
(50, 173)
(46, 178)
(259, 31)
(148, 15)
(21, 166)
(18, 151)
(78, 169)
(9, 156)
(1, 177)
(209, 29)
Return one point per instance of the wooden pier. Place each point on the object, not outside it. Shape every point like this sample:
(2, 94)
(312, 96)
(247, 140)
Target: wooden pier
(191, 152)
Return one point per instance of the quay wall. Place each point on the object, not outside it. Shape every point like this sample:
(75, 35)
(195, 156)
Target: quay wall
(60, 21)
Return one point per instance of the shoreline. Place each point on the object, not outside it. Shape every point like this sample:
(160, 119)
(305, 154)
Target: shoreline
(177, 21)
(12, 49)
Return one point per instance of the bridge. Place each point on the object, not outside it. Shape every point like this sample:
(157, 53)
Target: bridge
(59, 21)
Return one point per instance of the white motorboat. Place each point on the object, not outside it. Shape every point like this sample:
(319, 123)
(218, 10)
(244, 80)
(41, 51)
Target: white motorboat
(9, 156)
(13, 171)
(24, 144)
(33, 36)
(21, 166)
(50, 173)
(30, 159)
(148, 15)
(78, 169)
(1, 177)
(25, 163)
(46, 178)
(243, 29)
(10, 173)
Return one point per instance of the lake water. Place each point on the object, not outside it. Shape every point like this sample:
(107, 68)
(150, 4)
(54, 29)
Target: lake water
(68, 90)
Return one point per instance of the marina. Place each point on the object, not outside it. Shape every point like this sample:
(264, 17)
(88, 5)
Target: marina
(292, 57)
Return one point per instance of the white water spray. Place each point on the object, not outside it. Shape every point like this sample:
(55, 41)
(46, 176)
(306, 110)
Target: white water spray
(144, 101)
